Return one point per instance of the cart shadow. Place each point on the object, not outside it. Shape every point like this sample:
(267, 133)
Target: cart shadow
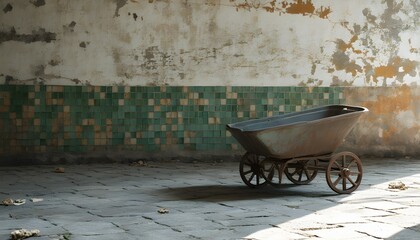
(217, 193)
(406, 233)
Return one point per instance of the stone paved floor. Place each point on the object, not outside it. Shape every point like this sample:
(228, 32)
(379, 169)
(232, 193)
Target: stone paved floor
(206, 201)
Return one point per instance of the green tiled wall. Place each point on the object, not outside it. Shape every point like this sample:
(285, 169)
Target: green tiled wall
(40, 119)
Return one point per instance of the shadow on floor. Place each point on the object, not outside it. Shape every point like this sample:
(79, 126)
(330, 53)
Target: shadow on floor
(216, 193)
(407, 233)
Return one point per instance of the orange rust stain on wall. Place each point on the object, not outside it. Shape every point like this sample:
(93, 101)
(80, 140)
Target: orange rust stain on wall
(392, 69)
(386, 107)
(301, 7)
(304, 7)
(357, 51)
(389, 133)
(246, 6)
(386, 71)
(408, 66)
(344, 46)
(272, 6)
(353, 68)
(324, 12)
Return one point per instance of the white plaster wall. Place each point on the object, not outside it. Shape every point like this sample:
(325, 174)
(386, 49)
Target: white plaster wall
(210, 42)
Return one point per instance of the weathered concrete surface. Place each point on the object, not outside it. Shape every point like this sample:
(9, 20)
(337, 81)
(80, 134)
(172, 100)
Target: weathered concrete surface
(392, 127)
(228, 42)
(210, 42)
(206, 201)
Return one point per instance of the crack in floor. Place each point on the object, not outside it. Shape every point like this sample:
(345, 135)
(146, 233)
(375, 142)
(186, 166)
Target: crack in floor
(321, 228)
(162, 224)
(119, 227)
(369, 235)
(262, 216)
(384, 210)
(225, 205)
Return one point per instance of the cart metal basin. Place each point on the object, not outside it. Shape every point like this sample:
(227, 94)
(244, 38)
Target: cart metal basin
(312, 132)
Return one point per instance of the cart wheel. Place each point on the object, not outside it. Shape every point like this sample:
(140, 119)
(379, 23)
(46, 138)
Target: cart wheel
(300, 172)
(344, 172)
(250, 170)
(270, 172)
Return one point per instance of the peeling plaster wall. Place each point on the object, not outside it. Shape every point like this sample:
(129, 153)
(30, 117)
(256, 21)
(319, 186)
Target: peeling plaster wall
(392, 127)
(210, 42)
(369, 47)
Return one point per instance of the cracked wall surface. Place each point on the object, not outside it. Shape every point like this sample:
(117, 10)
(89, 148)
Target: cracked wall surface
(392, 128)
(210, 42)
(370, 49)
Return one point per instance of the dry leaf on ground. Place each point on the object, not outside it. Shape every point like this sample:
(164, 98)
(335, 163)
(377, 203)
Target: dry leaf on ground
(24, 233)
(397, 185)
(59, 170)
(163, 210)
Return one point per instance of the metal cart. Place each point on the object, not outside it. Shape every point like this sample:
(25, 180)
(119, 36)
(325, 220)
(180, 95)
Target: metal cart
(299, 145)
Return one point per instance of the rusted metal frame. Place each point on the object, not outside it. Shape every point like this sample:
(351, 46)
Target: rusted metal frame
(321, 158)
(281, 164)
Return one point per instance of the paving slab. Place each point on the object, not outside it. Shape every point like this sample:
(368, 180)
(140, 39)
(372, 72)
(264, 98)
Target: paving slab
(206, 201)
(92, 228)
(275, 233)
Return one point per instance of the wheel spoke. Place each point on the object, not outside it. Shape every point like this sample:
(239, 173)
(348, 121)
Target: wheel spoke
(252, 171)
(301, 172)
(252, 176)
(351, 163)
(351, 181)
(337, 181)
(344, 184)
(339, 167)
(344, 168)
(307, 174)
(268, 173)
(294, 172)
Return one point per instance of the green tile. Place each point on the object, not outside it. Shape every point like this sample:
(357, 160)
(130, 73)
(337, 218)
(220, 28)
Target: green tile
(133, 115)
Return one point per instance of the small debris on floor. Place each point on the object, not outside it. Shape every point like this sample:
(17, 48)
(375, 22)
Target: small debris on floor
(24, 233)
(139, 163)
(11, 202)
(397, 185)
(35, 200)
(59, 170)
(65, 236)
(163, 210)
(7, 202)
(18, 202)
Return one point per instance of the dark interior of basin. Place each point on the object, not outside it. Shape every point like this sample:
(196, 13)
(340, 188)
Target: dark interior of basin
(294, 118)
